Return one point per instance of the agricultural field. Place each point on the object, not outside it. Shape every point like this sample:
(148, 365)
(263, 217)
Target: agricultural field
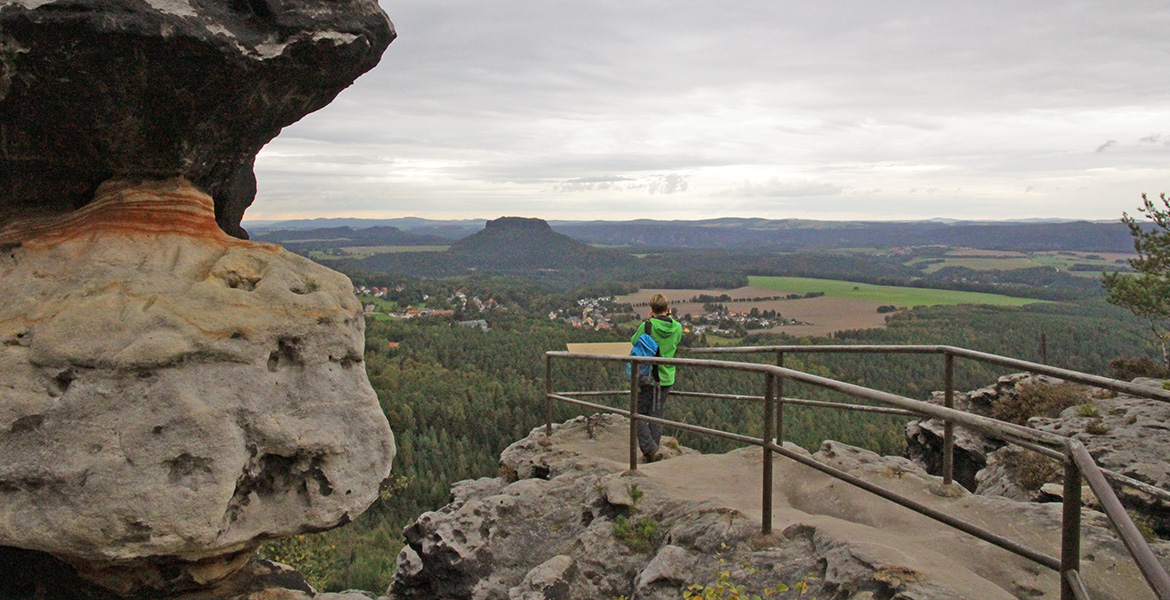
(883, 294)
(987, 260)
(845, 305)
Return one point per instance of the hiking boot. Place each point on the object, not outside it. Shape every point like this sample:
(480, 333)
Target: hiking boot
(659, 454)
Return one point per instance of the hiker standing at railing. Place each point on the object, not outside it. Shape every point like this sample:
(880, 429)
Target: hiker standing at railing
(652, 398)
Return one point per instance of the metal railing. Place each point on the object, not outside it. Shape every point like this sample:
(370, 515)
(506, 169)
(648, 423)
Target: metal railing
(1071, 453)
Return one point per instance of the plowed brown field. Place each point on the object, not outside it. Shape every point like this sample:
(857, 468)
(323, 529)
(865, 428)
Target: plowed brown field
(826, 314)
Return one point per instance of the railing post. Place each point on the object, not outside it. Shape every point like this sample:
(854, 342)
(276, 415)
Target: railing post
(780, 401)
(948, 466)
(1070, 534)
(635, 366)
(769, 398)
(548, 395)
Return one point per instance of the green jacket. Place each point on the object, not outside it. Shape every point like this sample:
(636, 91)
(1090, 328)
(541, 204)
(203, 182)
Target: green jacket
(667, 332)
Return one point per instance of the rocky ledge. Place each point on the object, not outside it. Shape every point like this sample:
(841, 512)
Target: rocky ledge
(171, 396)
(568, 521)
(1123, 433)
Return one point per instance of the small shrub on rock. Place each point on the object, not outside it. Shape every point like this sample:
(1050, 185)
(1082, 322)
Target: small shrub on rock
(1126, 368)
(1097, 427)
(1037, 400)
(636, 534)
(1034, 470)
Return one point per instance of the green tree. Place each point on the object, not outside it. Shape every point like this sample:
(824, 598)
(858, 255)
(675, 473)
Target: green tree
(1147, 293)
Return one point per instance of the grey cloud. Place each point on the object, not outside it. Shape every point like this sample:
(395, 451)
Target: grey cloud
(668, 184)
(499, 100)
(774, 187)
(1106, 146)
(590, 184)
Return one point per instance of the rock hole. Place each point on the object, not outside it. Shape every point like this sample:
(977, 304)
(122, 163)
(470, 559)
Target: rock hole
(237, 335)
(348, 361)
(27, 423)
(287, 353)
(307, 286)
(61, 382)
(185, 465)
(157, 429)
(22, 338)
(137, 531)
(240, 282)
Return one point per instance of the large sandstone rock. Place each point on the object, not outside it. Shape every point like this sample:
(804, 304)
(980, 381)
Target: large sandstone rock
(1125, 434)
(549, 529)
(170, 396)
(924, 438)
(97, 89)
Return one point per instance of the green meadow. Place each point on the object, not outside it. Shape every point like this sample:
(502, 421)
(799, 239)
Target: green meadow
(884, 294)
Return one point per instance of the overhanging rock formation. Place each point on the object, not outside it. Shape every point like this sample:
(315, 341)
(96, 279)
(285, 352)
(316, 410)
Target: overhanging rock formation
(96, 89)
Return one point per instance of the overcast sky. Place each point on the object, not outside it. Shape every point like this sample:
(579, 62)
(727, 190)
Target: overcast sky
(689, 109)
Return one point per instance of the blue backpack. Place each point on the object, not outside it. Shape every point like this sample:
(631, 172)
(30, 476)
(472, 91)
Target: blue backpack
(645, 346)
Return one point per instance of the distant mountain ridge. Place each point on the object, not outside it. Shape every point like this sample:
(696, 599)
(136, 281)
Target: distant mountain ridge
(788, 234)
(345, 236)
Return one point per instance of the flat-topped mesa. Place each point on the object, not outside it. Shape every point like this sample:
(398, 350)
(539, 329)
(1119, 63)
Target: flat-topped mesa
(92, 90)
(171, 396)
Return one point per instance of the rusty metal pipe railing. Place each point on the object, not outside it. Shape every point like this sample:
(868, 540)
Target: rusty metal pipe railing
(997, 429)
(1077, 460)
(769, 422)
(1042, 369)
(1003, 361)
(1147, 562)
(798, 401)
(948, 466)
(1070, 527)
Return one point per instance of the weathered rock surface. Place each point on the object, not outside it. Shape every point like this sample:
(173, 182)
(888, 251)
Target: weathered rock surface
(38, 576)
(548, 530)
(170, 396)
(924, 438)
(1125, 434)
(97, 89)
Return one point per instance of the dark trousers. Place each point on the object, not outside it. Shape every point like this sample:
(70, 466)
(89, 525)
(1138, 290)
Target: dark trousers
(651, 404)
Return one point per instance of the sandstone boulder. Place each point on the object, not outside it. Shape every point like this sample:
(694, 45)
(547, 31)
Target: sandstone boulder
(170, 396)
(1125, 434)
(97, 89)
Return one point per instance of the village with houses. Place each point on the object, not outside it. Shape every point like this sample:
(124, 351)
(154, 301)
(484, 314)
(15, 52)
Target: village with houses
(602, 313)
(377, 303)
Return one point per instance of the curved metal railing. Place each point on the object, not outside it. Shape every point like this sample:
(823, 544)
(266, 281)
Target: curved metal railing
(1078, 464)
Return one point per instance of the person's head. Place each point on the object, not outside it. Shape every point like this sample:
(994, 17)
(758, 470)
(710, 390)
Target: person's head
(659, 305)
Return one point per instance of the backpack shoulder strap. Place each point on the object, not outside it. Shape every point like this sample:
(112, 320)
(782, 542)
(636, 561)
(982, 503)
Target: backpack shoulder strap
(646, 329)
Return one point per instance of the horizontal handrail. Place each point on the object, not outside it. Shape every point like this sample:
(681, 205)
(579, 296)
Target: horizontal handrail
(983, 424)
(1065, 374)
(1107, 383)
